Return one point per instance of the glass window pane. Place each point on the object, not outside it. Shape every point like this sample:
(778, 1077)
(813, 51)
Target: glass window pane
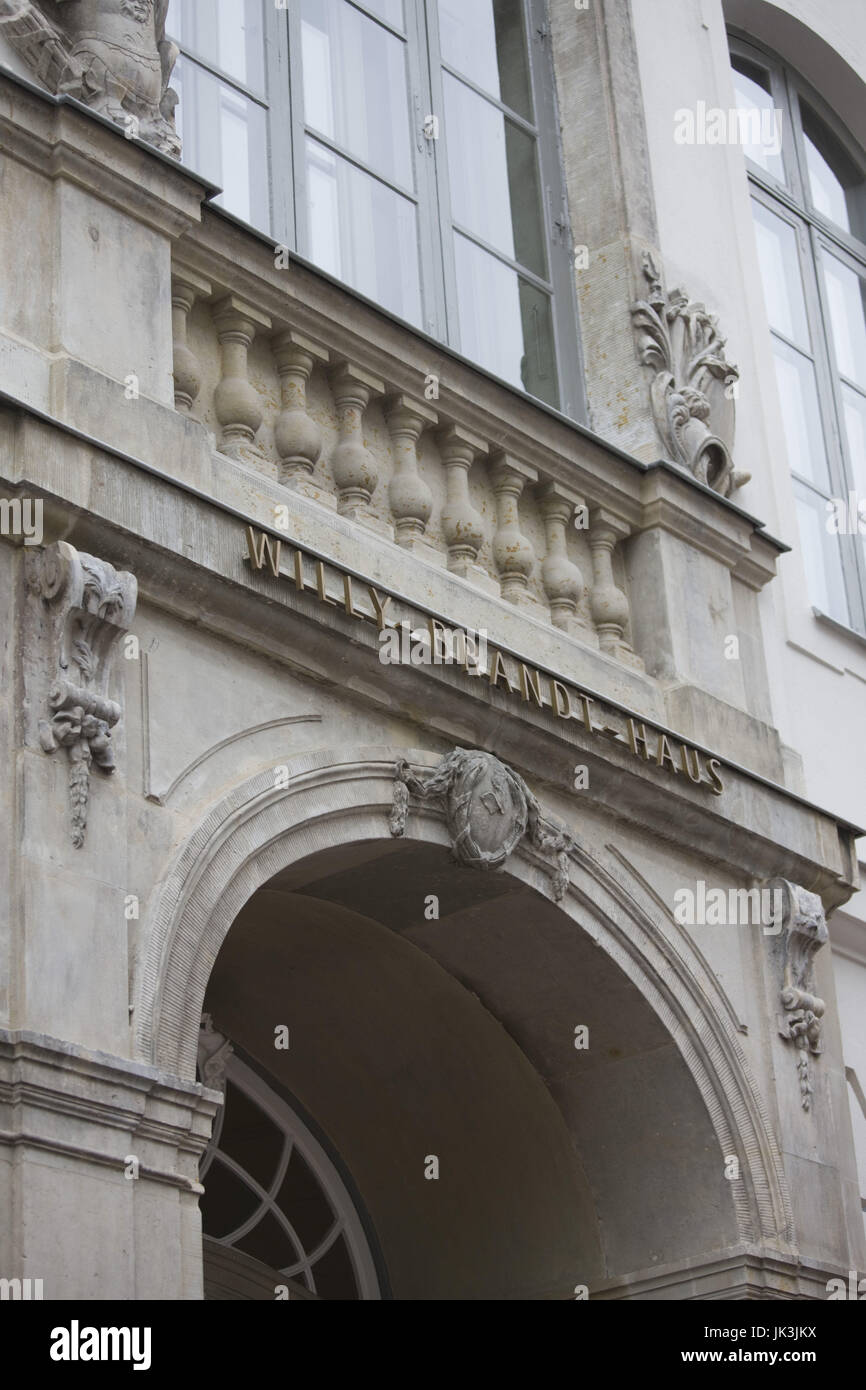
(835, 182)
(798, 395)
(762, 119)
(780, 272)
(828, 195)
(225, 139)
(854, 408)
(493, 177)
(389, 10)
(355, 86)
(845, 297)
(226, 33)
(362, 232)
(821, 554)
(505, 323)
(485, 40)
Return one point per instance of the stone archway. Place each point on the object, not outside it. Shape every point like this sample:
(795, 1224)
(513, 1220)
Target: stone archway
(338, 799)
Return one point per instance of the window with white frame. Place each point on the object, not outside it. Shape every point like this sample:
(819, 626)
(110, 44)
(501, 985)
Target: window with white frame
(272, 1193)
(809, 204)
(408, 148)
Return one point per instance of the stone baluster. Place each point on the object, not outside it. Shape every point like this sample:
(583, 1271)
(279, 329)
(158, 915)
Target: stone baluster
(512, 552)
(236, 402)
(462, 524)
(410, 497)
(186, 288)
(609, 605)
(297, 436)
(561, 577)
(354, 468)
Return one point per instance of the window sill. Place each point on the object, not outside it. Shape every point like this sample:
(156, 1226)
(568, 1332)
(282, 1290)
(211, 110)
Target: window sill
(843, 628)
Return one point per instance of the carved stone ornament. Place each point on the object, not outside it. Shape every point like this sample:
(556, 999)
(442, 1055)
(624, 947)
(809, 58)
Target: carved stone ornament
(214, 1050)
(92, 606)
(804, 933)
(690, 393)
(488, 810)
(110, 54)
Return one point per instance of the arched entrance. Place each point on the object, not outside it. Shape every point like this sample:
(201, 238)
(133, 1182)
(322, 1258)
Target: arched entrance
(416, 1036)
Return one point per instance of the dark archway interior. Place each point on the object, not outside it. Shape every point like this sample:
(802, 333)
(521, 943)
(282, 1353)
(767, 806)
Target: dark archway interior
(414, 1035)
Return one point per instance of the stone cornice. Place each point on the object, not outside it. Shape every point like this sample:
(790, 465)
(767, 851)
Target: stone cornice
(757, 826)
(127, 1104)
(62, 139)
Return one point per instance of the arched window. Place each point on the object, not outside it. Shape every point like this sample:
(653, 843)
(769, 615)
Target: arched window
(809, 203)
(276, 1214)
(409, 148)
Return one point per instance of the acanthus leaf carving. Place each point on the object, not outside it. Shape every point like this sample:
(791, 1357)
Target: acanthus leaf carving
(92, 606)
(800, 914)
(488, 811)
(112, 55)
(681, 341)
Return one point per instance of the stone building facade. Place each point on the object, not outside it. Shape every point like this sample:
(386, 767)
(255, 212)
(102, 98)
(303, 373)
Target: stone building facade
(428, 808)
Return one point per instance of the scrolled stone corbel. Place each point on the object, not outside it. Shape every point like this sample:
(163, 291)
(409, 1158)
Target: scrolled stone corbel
(681, 341)
(92, 606)
(800, 915)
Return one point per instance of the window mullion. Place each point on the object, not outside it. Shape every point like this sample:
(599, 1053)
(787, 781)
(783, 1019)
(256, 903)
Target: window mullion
(565, 318)
(298, 165)
(438, 175)
(281, 153)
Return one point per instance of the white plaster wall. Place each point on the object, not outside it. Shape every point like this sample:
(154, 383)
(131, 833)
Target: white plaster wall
(817, 676)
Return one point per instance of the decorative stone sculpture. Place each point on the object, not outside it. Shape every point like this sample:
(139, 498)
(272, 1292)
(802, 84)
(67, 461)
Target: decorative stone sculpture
(110, 54)
(488, 810)
(805, 932)
(214, 1050)
(92, 606)
(690, 395)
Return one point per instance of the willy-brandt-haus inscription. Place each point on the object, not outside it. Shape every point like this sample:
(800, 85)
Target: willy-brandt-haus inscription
(334, 586)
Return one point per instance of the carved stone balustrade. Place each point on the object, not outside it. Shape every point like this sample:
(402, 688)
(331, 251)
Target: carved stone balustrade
(237, 404)
(410, 497)
(186, 288)
(355, 470)
(561, 577)
(513, 553)
(297, 436)
(462, 523)
(610, 609)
